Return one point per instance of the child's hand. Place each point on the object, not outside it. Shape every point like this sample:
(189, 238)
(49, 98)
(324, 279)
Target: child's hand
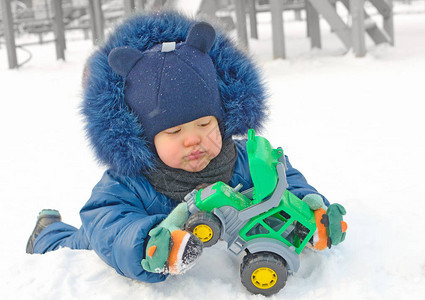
(157, 250)
(170, 249)
(314, 201)
(336, 227)
(176, 218)
(331, 228)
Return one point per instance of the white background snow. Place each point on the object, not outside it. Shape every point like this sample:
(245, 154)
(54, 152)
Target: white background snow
(353, 126)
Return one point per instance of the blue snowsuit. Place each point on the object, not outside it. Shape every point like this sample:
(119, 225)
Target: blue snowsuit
(123, 209)
(123, 206)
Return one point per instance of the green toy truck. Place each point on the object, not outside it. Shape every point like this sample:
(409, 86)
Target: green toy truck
(267, 221)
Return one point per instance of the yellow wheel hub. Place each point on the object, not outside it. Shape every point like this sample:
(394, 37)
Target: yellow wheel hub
(203, 232)
(264, 278)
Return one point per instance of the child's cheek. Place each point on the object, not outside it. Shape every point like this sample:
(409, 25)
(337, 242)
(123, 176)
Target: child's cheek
(215, 144)
(168, 153)
(174, 155)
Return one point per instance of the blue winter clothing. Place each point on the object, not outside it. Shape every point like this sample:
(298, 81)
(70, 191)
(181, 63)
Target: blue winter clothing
(123, 209)
(123, 206)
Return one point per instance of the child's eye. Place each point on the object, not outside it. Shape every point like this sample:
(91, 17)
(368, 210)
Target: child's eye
(173, 131)
(205, 124)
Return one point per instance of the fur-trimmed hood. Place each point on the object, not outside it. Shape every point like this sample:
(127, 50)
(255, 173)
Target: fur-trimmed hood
(114, 131)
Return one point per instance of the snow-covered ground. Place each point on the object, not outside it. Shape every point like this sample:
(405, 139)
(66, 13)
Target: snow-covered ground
(353, 126)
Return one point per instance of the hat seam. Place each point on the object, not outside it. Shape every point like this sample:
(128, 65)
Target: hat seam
(160, 82)
(197, 73)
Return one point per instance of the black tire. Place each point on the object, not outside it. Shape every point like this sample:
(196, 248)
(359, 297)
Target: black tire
(270, 267)
(205, 226)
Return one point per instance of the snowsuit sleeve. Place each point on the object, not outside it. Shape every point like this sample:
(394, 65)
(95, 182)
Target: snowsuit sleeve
(298, 185)
(117, 219)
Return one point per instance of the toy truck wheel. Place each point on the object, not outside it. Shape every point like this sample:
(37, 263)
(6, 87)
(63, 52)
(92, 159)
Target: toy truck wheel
(205, 226)
(263, 273)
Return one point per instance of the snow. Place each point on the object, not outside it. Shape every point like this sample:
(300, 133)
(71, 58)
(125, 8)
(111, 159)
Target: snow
(353, 126)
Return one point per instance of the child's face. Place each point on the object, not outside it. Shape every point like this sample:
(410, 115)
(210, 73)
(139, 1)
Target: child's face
(190, 146)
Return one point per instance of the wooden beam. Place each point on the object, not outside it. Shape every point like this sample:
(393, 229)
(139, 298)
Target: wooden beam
(376, 34)
(383, 7)
(324, 8)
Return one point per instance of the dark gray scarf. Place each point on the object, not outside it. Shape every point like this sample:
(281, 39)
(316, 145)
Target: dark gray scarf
(176, 183)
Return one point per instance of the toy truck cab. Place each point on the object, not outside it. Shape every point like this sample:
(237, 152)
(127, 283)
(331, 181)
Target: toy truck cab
(267, 221)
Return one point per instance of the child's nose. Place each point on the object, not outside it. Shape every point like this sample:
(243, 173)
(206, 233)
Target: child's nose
(191, 140)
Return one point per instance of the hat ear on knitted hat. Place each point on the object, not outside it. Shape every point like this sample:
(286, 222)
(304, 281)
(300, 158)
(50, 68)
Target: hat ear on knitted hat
(201, 36)
(123, 59)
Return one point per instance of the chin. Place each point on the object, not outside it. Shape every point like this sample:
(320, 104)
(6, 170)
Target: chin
(196, 167)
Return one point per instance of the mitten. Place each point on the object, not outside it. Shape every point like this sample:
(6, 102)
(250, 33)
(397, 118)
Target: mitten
(331, 228)
(170, 249)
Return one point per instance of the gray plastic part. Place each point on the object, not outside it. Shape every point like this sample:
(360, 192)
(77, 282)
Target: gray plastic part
(206, 192)
(288, 231)
(238, 187)
(237, 246)
(231, 223)
(190, 200)
(271, 245)
(273, 201)
(248, 193)
(282, 158)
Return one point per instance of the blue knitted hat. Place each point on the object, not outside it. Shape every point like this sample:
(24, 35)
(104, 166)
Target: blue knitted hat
(170, 84)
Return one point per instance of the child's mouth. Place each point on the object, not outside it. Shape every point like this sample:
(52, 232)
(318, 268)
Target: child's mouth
(195, 155)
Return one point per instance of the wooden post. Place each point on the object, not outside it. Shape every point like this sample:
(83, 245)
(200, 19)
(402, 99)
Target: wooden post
(58, 29)
(297, 12)
(98, 21)
(9, 34)
(140, 5)
(389, 22)
(207, 8)
(129, 7)
(276, 9)
(92, 20)
(241, 22)
(358, 27)
(333, 3)
(252, 19)
(313, 26)
(297, 15)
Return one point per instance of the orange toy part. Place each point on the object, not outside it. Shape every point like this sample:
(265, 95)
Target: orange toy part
(151, 250)
(343, 226)
(173, 259)
(322, 243)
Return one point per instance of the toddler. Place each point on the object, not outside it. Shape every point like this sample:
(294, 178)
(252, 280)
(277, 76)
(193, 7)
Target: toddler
(163, 99)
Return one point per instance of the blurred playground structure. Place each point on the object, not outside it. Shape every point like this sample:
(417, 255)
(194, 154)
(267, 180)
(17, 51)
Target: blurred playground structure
(349, 20)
